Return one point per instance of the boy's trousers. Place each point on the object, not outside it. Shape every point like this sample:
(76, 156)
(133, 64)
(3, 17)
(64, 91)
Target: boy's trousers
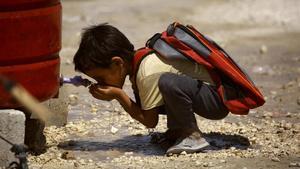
(183, 96)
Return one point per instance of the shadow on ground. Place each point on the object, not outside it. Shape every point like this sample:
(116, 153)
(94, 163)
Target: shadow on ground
(141, 144)
(219, 141)
(135, 144)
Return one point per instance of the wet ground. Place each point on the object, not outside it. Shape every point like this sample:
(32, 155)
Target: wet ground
(262, 36)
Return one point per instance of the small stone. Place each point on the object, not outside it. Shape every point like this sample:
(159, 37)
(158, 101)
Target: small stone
(254, 130)
(205, 164)
(76, 164)
(94, 110)
(287, 126)
(289, 114)
(223, 161)
(183, 153)
(198, 163)
(296, 127)
(131, 121)
(232, 148)
(123, 113)
(275, 159)
(268, 114)
(263, 70)
(113, 130)
(82, 161)
(263, 49)
(298, 101)
(128, 153)
(68, 155)
(273, 92)
(294, 164)
(73, 99)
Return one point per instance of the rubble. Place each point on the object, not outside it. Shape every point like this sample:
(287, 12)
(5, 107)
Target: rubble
(248, 139)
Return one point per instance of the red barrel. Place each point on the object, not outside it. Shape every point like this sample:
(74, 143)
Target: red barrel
(30, 34)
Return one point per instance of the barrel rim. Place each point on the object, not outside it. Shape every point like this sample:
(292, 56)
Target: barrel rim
(8, 7)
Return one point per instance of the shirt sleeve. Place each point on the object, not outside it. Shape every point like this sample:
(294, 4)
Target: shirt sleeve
(149, 93)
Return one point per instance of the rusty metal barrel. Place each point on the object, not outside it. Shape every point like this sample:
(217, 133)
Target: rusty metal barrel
(30, 35)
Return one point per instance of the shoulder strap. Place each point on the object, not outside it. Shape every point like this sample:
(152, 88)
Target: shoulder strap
(139, 55)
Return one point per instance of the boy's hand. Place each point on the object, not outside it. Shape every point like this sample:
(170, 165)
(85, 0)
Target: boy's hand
(107, 93)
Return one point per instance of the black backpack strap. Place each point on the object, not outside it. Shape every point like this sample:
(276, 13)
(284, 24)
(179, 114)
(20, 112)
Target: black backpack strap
(150, 43)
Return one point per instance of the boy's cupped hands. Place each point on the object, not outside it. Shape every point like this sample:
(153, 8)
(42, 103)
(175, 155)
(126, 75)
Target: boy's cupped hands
(104, 92)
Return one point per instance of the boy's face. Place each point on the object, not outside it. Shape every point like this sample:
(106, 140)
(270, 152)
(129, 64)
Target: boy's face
(114, 75)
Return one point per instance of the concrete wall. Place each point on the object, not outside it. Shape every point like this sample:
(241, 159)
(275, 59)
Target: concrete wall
(59, 108)
(12, 127)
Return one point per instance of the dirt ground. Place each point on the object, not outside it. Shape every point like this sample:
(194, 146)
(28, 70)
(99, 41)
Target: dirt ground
(263, 36)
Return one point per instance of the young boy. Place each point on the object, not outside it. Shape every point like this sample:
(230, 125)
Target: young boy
(179, 90)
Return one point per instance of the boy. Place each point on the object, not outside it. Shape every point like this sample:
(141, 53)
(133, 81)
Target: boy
(179, 90)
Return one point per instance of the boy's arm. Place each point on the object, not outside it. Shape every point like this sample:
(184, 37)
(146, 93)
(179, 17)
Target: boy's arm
(149, 118)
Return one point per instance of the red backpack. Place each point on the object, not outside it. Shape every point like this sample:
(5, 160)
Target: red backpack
(181, 43)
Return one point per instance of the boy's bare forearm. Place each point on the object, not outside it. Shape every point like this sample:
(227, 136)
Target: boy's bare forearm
(130, 107)
(135, 111)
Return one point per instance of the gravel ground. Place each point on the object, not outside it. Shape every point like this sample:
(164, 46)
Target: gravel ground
(262, 35)
(101, 143)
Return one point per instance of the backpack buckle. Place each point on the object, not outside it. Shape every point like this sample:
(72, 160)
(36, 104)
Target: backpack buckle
(171, 29)
(150, 43)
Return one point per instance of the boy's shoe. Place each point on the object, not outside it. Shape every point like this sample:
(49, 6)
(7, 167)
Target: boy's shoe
(162, 140)
(190, 144)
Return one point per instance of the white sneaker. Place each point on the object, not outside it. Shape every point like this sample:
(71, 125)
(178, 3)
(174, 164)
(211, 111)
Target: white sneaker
(188, 144)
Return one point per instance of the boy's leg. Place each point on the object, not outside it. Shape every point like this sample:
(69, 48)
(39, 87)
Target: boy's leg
(183, 96)
(208, 104)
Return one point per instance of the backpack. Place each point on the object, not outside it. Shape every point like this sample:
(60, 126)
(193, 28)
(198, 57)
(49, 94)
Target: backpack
(181, 43)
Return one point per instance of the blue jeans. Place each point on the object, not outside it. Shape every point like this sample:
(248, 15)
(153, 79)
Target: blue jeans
(183, 96)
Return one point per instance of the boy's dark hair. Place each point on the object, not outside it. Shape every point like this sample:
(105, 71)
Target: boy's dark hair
(99, 44)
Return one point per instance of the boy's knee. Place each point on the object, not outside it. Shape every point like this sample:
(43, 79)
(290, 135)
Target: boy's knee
(166, 82)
